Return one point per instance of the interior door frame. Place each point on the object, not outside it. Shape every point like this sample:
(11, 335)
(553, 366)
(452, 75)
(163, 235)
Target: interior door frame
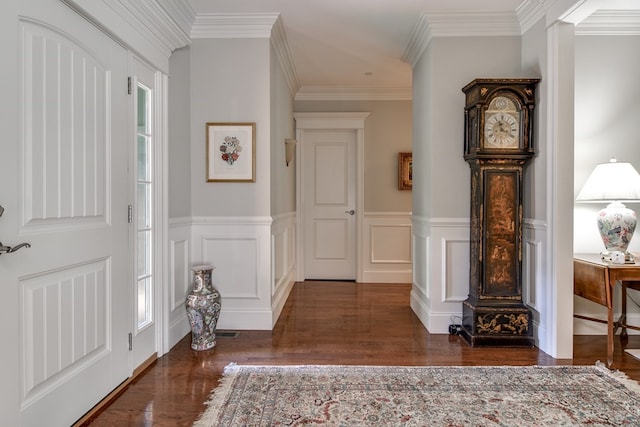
(159, 258)
(329, 121)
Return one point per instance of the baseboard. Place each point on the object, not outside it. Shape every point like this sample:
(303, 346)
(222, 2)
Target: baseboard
(238, 319)
(587, 327)
(177, 330)
(387, 276)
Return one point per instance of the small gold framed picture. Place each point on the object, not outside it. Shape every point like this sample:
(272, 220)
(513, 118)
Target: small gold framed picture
(405, 172)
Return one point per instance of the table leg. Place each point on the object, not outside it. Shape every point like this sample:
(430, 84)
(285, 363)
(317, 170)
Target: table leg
(623, 318)
(610, 332)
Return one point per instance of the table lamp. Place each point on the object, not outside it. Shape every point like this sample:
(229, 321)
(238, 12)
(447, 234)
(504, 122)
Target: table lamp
(614, 182)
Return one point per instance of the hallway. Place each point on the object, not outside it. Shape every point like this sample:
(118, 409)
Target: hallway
(322, 323)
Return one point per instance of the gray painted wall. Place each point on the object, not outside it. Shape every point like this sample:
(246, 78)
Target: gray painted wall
(230, 82)
(607, 119)
(179, 134)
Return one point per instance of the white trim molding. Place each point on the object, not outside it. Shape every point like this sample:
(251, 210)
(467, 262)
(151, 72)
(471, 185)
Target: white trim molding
(387, 250)
(239, 248)
(351, 93)
(330, 121)
(458, 24)
(233, 25)
(440, 286)
(283, 258)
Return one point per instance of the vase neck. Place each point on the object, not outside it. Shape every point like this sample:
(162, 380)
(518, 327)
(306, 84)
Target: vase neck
(202, 278)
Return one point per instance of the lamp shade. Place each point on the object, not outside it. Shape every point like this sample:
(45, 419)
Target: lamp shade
(611, 181)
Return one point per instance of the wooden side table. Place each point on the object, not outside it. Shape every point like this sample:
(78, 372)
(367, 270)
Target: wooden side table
(595, 279)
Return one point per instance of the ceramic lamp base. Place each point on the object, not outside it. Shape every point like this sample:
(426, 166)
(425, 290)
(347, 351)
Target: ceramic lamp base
(617, 224)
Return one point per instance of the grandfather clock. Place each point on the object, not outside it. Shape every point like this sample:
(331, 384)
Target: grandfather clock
(498, 120)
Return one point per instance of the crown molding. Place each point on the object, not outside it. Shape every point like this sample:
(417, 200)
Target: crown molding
(610, 23)
(165, 23)
(529, 12)
(233, 25)
(418, 41)
(285, 57)
(181, 13)
(458, 24)
(353, 93)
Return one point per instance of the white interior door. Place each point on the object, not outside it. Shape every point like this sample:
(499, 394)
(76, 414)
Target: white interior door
(145, 213)
(66, 313)
(329, 168)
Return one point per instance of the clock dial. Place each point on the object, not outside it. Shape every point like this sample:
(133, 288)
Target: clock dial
(501, 130)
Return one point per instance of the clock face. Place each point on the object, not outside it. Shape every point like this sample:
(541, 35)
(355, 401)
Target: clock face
(502, 124)
(501, 130)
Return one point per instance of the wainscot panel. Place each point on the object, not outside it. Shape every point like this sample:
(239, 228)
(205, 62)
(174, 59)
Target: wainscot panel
(180, 278)
(239, 248)
(283, 241)
(439, 289)
(387, 248)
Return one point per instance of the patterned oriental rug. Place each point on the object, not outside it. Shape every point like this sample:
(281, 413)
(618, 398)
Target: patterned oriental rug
(423, 396)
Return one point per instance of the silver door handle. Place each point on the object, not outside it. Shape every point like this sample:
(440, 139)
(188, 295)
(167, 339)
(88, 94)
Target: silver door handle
(4, 249)
(8, 249)
(351, 212)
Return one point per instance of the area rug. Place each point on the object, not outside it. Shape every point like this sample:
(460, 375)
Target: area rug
(423, 396)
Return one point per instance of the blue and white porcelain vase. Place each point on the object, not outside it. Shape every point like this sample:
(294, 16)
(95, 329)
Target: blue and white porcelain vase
(203, 309)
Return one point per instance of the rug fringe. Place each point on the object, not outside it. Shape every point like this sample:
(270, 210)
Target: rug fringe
(620, 376)
(218, 396)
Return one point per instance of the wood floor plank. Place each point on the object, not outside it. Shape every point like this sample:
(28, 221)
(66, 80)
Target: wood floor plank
(323, 323)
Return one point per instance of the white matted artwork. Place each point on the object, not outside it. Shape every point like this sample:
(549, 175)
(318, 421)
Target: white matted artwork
(231, 152)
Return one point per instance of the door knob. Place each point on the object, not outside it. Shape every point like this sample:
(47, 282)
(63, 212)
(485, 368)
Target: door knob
(8, 249)
(4, 249)
(351, 212)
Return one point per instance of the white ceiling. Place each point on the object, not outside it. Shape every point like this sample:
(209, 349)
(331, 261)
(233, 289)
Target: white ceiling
(356, 43)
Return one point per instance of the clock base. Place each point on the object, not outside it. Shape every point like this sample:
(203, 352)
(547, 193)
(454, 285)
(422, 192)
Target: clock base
(497, 324)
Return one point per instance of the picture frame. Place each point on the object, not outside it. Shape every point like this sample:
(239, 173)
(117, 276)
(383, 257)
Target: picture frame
(405, 171)
(231, 152)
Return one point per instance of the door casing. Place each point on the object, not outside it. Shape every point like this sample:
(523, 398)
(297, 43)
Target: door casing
(329, 121)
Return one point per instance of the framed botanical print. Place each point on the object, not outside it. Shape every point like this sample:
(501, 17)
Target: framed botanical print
(231, 152)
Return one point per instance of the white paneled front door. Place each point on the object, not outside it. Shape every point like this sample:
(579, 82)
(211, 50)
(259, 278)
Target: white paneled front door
(66, 310)
(329, 167)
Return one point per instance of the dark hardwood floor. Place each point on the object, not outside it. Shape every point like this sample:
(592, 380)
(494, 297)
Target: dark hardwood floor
(323, 323)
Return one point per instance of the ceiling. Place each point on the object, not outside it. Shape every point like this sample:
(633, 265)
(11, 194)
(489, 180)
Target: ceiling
(355, 43)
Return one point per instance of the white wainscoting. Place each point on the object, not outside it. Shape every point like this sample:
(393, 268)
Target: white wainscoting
(533, 286)
(283, 249)
(442, 285)
(239, 248)
(535, 291)
(386, 247)
(254, 268)
(180, 278)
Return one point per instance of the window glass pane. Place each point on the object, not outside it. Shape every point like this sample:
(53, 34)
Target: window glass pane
(143, 158)
(144, 205)
(142, 110)
(143, 208)
(144, 255)
(144, 301)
